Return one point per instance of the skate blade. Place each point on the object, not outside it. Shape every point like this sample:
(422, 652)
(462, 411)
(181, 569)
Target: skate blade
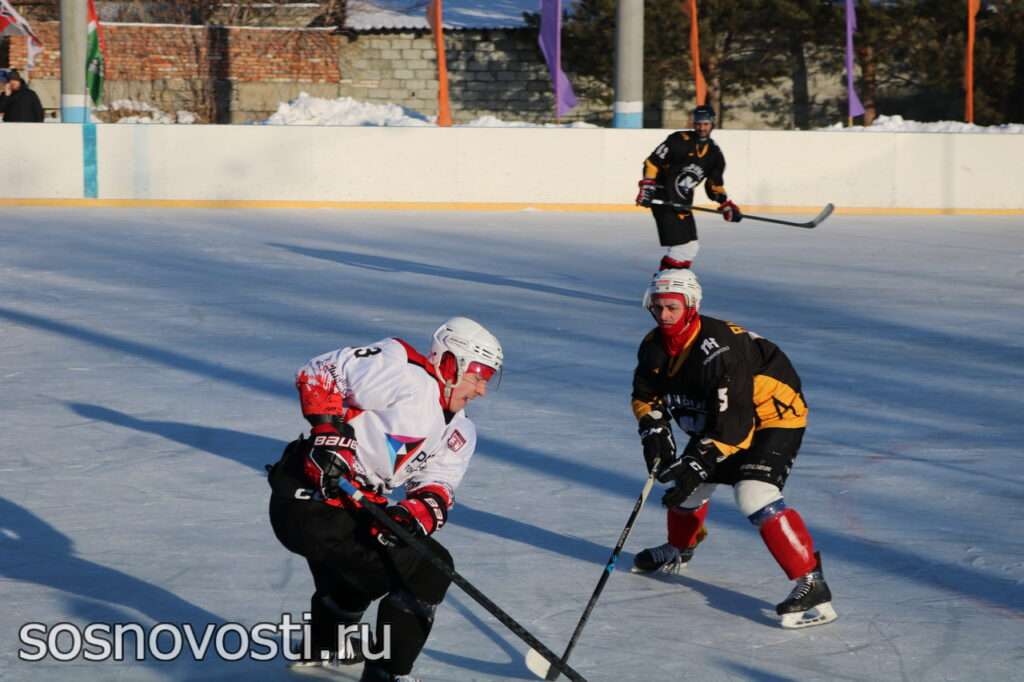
(671, 568)
(327, 671)
(818, 615)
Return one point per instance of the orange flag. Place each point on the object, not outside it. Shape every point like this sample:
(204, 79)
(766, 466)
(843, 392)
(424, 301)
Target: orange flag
(972, 9)
(690, 7)
(435, 14)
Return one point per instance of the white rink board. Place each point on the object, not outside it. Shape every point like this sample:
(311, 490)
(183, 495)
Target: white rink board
(539, 166)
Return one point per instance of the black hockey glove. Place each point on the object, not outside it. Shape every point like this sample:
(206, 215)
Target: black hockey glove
(646, 192)
(331, 457)
(689, 471)
(656, 437)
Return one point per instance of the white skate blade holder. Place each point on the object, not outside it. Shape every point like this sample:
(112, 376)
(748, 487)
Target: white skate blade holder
(327, 670)
(817, 615)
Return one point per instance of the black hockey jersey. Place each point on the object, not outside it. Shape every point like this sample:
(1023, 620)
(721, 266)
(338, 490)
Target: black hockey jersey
(726, 385)
(682, 162)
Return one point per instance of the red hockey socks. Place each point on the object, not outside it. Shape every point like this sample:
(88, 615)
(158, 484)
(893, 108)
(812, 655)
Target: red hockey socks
(686, 526)
(789, 542)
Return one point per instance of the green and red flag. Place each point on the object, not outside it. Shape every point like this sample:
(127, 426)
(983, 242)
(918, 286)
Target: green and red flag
(94, 56)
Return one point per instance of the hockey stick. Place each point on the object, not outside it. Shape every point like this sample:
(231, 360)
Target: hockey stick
(381, 517)
(539, 664)
(810, 224)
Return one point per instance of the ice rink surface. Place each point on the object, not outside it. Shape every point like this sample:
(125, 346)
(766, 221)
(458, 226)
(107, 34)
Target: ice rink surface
(147, 360)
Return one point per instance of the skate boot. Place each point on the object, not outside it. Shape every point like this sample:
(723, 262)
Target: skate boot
(810, 602)
(374, 673)
(326, 653)
(666, 558)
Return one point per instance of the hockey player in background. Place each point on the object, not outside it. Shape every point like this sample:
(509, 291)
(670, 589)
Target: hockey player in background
(671, 173)
(739, 400)
(383, 417)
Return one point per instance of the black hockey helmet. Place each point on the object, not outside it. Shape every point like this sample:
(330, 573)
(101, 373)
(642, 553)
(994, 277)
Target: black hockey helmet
(704, 113)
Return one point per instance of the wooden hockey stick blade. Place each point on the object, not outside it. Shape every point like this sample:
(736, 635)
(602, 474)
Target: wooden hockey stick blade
(810, 224)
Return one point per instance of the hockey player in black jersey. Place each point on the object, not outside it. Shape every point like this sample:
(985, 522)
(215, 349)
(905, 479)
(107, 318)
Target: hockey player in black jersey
(671, 173)
(740, 401)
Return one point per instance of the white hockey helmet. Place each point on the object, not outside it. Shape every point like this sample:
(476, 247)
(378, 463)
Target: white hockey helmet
(680, 282)
(462, 346)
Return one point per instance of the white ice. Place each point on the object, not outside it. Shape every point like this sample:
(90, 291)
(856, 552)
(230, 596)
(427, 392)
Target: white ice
(147, 356)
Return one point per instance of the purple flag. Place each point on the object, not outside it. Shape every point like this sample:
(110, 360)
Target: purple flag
(856, 108)
(551, 45)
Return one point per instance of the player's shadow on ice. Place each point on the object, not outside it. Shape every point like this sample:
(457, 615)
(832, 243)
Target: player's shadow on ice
(515, 668)
(388, 264)
(719, 598)
(32, 551)
(245, 448)
(254, 451)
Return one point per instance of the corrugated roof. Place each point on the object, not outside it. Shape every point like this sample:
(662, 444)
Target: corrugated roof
(375, 15)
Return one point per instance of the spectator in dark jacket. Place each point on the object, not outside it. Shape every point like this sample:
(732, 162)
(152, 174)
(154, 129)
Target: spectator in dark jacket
(21, 105)
(3, 91)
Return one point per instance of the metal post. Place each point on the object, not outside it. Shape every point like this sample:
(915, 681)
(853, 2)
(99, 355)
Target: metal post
(629, 65)
(74, 107)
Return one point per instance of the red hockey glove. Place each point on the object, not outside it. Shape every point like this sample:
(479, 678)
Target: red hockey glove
(646, 192)
(730, 211)
(421, 514)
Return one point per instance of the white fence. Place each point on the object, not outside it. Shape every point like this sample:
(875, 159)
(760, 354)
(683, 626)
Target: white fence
(568, 168)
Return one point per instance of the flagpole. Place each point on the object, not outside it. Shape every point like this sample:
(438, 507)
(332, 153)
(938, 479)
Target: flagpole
(972, 10)
(628, 109)
(558, 59)
(72, 61)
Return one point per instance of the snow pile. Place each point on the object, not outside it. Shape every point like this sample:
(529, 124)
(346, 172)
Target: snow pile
(345, 111)
(135, 111)
(896, 123)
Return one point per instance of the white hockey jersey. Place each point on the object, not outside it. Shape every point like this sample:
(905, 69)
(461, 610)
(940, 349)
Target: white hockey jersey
(388, 393)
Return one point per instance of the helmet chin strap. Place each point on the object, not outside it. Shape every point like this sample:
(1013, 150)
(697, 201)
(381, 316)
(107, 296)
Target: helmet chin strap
(446, 394)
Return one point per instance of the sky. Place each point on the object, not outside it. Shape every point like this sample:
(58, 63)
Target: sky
(147, 359)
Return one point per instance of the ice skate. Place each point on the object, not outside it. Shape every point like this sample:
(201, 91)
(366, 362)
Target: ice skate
(374, 673)
(331, 669)
(665, 558)
(810, 602)
(334, 665)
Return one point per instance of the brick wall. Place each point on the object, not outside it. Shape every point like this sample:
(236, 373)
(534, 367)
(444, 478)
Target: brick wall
(234, 74)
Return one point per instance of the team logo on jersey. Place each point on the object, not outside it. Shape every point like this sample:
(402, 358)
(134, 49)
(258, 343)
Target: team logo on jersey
(688, 179)
(402, 448)
(456, 441)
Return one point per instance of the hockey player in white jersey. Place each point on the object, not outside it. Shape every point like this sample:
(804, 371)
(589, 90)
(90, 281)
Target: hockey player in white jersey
(383, 417)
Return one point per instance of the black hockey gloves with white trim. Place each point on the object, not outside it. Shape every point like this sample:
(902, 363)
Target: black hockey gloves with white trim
(689, 471)
(656, 437)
